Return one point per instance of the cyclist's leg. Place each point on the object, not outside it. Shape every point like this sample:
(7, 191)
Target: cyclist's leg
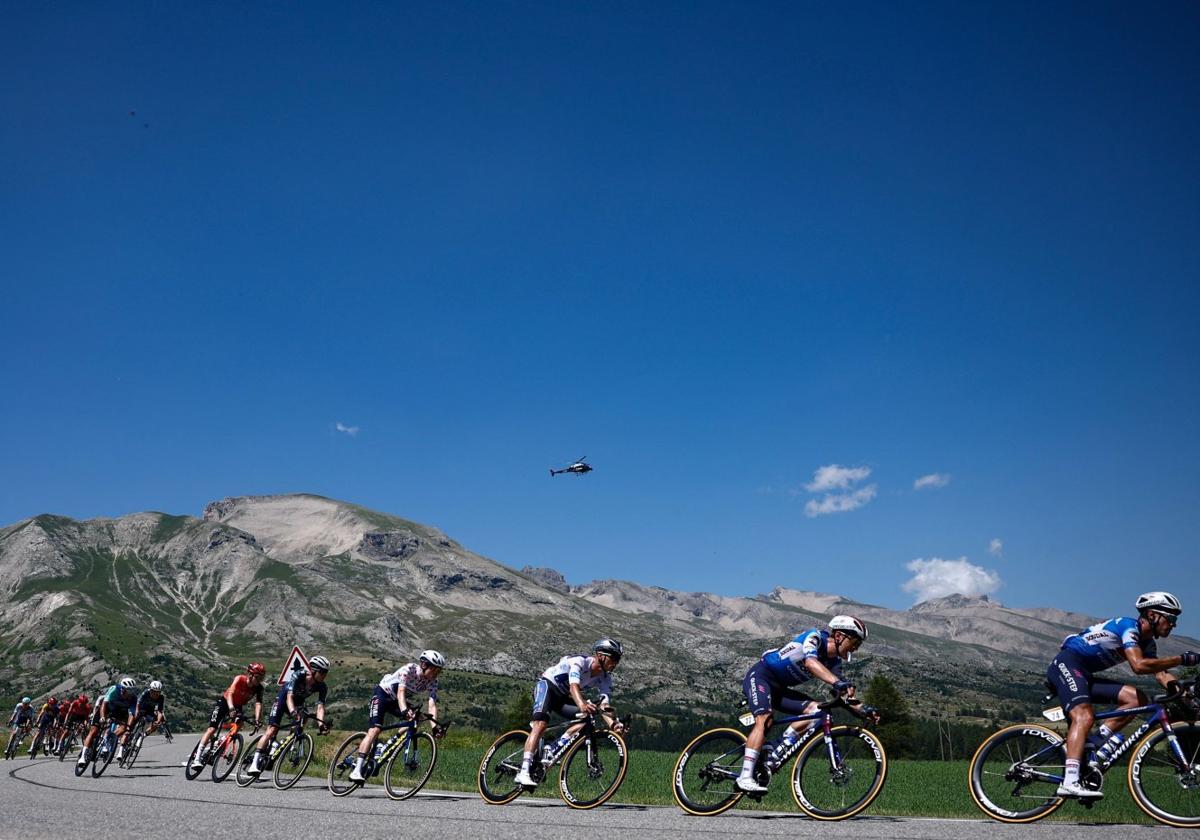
(381, 706)
(760, 695)
(794, 703)
(1073, 684)
(1121, 696)
(546, 699)
(216, 717)
(274, 719)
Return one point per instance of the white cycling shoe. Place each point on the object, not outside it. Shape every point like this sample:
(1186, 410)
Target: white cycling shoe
(356, 775)
(524, 779)
(1078, 791)
(746, 784)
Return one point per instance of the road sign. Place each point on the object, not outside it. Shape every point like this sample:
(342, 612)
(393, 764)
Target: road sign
(296, 662)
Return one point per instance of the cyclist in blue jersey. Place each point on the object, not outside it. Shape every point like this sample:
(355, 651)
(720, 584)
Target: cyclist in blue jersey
(770, 683)
(114, 705)
(22, 714)
(289, 701)
(560, 689)
(1102, 646)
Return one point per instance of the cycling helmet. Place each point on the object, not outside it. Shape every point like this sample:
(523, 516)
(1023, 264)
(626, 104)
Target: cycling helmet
(155, 685)
(26, 700)
(318, 663)
(610, 646)
(1159, 601)
(82, 698)
(432, 657)
(849, 624)
(129, 683)
(256, 669)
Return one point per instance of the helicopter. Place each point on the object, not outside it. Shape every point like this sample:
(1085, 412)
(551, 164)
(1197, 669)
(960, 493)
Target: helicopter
(578, 468)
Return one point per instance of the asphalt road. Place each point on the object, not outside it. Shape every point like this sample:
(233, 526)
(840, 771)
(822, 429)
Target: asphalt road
(42, 798)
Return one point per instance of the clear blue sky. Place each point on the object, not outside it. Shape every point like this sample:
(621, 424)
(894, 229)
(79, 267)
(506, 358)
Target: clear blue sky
(712, 247)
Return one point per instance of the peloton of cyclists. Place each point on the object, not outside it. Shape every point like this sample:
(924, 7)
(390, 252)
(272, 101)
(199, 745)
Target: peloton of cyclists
(241, 690)
(560, 690)
(1102, 646)
(394, 695)
(113, 705)
(289, 700)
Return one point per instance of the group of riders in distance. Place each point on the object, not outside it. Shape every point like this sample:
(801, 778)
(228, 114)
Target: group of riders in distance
(1019, 774)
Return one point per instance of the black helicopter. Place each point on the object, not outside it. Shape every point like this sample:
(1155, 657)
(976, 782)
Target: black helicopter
(578, 468)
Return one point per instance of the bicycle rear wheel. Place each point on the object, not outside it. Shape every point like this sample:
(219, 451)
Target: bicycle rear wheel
(1161, 786)
(242, 777)
(65, 746)
(36, 745)
(226, 758)
(593, 769)
(410, 766)
(342, 763)
(291, 762)
(1016, 772)
(190, 772)
(500, 764)
(135, 749)
(104, 754)
(838, 787)
(706, 772)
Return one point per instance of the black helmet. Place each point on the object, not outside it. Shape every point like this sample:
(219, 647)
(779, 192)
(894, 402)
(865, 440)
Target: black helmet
(610, 646)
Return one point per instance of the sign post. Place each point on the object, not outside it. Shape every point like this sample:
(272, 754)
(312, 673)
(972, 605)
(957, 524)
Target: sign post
(297, 661)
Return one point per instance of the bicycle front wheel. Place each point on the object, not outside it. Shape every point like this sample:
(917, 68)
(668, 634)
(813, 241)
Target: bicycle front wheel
(593, 769)
(706, 772)
(242, 777)
(1016, 772)
(293, 759)
(410, 766)
(342, 763)
(500, 764)
(104, 754)
(836, 780)
(226, 758)
(36, 745)
(190, 772)
(1164, 787)
(135, 749)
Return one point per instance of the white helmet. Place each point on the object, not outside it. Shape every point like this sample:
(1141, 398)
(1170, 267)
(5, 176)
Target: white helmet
(318, 663)
(1161, 601)
(432, 657)
(155, 685)
(129, 682)
(849, 624)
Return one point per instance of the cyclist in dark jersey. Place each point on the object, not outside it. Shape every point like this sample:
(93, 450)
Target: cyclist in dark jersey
(150, 706)
(114, 705)
(289, 701)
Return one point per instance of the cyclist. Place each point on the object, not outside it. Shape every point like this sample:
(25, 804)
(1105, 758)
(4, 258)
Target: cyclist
(1102, 646)
(150, 706)
(392, 696)
(243, 687)
(113, 705)
(22, 717)
(78, 711)
(61, 725)
(770, 684)
(46, 718)
(289, 700)
(560, 689)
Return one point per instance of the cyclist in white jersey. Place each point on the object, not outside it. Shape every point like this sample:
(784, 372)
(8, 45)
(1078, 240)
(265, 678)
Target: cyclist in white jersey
(393, 695)
(1102, 646)
(560, 689)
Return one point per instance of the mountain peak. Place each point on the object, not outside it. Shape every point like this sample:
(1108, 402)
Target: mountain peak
(955, 601)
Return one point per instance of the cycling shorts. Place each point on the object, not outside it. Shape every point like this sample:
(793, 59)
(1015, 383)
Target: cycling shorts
(1075, 684)
(219, 713)
(279, 708)
(548, 698)
(764, 695)
(381, 706)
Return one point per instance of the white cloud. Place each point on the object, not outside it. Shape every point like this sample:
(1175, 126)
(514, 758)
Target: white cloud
(835, 477)
(840, 502)
(932, 480)
(936, 578)
(344, 429)
(996, 547)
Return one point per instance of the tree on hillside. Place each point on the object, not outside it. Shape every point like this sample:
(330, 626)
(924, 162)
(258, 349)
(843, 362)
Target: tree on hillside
(896, 725)
(519, 710)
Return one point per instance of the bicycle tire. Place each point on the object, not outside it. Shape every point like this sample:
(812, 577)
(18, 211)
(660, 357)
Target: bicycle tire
(410, 766)
(135, 750)
(824, 792)
(293, 759)
(592, 783)
(1017, 754)
(36, 745)
(1158, 785)
(241, 777)
(502, 761)
(342, 763)
(190, 773)
(226, 758)
(65, 746)
(103, 757)
(712, 761)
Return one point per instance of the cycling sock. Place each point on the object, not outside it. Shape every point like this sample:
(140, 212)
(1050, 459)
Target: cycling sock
(526, 761)
(748, 763)
(1071, 776)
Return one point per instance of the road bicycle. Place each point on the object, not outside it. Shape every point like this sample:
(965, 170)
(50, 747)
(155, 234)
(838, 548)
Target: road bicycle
(67, 742)
(221, 752)
(40, 742)
(592, 763)
(1016, 772)
(407, 759)
(839, 768)
(104, 746)
(15, 739)
(287, 759)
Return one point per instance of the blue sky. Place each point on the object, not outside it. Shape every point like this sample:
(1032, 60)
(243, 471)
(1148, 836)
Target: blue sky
(713, 247)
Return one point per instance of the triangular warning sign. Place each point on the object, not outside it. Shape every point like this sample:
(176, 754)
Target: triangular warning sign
(296, 662)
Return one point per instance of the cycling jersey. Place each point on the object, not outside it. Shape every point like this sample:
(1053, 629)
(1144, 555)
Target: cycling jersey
(1103, 645)
(786, 665)
(147, 705)
(577, 670)
(409, 678)
(21, 714)
(298, 686)
(47, 715)
(79, 709)
(119, 700)
(240, 691)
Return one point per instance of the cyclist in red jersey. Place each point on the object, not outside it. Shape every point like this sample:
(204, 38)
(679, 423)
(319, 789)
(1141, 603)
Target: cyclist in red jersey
(244, 686)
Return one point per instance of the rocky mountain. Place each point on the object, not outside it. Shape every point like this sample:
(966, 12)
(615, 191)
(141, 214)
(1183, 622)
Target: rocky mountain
(152, 593)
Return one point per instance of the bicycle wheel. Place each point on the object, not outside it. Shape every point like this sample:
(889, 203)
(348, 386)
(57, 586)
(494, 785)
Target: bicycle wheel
(190, 772)
(11, 749)
(342, 763)
(1016, 772)
(410, 766)
(593, 769)
(706, 772)
(104, 754)
(1167, 790)
(36, 745)
(838, 787)
(65, 747)
(135, 748)
(500, 764)
(242, 777)
(293, 759)
(226, 758)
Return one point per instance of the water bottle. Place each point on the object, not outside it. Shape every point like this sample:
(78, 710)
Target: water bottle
(379, 748)
(1106, 750)
(275, 745)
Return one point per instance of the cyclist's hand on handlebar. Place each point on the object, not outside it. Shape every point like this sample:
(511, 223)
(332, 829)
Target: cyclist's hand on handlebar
(410, 714)
(870, 713)
(588, 707)
(843, 689)
(1190, 658)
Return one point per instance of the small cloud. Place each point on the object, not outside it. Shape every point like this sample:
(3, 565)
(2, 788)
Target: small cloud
(835, 477)
(936, 578)
(346, 430)
(840, 502)
(931, 480)
(996, 547)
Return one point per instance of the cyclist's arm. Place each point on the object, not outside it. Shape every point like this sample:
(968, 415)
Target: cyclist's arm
(290, 702)
(1142, 664)
(582, 702)
(401, 698)
(819, 671)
